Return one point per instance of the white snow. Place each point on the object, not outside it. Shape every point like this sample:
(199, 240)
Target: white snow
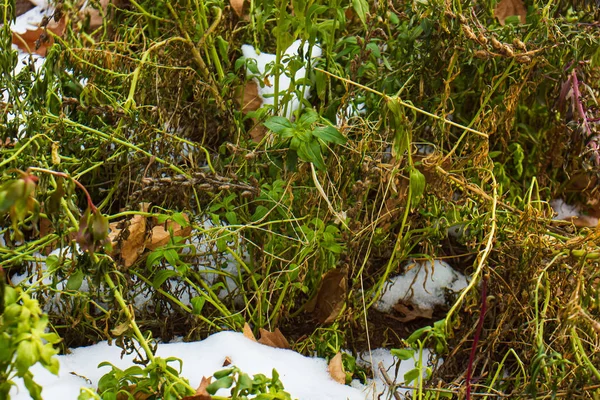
(266, 80)
(424, 284)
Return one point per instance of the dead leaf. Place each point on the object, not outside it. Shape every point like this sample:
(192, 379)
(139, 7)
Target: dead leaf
(38, 40)
(248, 332)
(131, 389)
(22, 6)
(508, 8)
(273, 339)
(249, 99)
(134, 245)
(336, 369)
(227, 361)
(412, 312)
(238, 8)
(161, 236)
(331, 296)
(96, 17)
(201, 393)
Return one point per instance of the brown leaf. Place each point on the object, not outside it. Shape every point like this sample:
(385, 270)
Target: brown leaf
(248, 332)
(331, 296)
(22, 6)
(201, 393)
(227, 361)
(336, 369)
(161, 236)
(508, 8)
(273, 339)
(258, 131)
(30, 39)
(96, 17)
(137, 395)
(412, 312)
(249, 98)
(134, 245)
(238, 8)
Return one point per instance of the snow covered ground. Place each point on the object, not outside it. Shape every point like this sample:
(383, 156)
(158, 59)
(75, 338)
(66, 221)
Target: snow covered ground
(305, 378)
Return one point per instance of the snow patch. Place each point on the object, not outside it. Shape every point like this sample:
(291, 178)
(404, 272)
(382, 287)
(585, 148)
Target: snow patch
(424, 285)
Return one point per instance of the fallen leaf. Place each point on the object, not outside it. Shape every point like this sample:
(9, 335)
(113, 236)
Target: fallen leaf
(38, 40)
(331, 296)
(248, 332)
(412, 312)
(508, 8)
(201, 393)
(238, 8)
(273, 339)
(135, 243)
(161, 236)
(336, 369)
(96, 17)
(227, 362)
(22, 6)
(137, 395)
(249, 99)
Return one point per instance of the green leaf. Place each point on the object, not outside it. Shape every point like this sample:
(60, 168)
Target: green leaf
(35, 390)
(180, 219)
(154, 257)
(278, 124)
(329, 134)
(411, 375)
(222, 383)
(75, 280)
(161, 277)
(27, 355)
(417, 186)
(223, 373)
(311, 152)
(361, 7)
(403, 354)
(197, 305)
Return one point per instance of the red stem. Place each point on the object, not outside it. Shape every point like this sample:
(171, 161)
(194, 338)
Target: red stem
(91, 205)
(476, 337)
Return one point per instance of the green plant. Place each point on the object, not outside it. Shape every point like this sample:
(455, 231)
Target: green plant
(305, 137)
(24, 342)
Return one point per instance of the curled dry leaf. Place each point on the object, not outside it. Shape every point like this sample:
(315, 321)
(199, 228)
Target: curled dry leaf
(329, 302)
(273, 339)
(38, 40)
(248, 332)
(227, 362)
(508, 8)
(135, 244)
(412, 312)
(201, 393)
(161, 236)
(238, 8)
(336, 369)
